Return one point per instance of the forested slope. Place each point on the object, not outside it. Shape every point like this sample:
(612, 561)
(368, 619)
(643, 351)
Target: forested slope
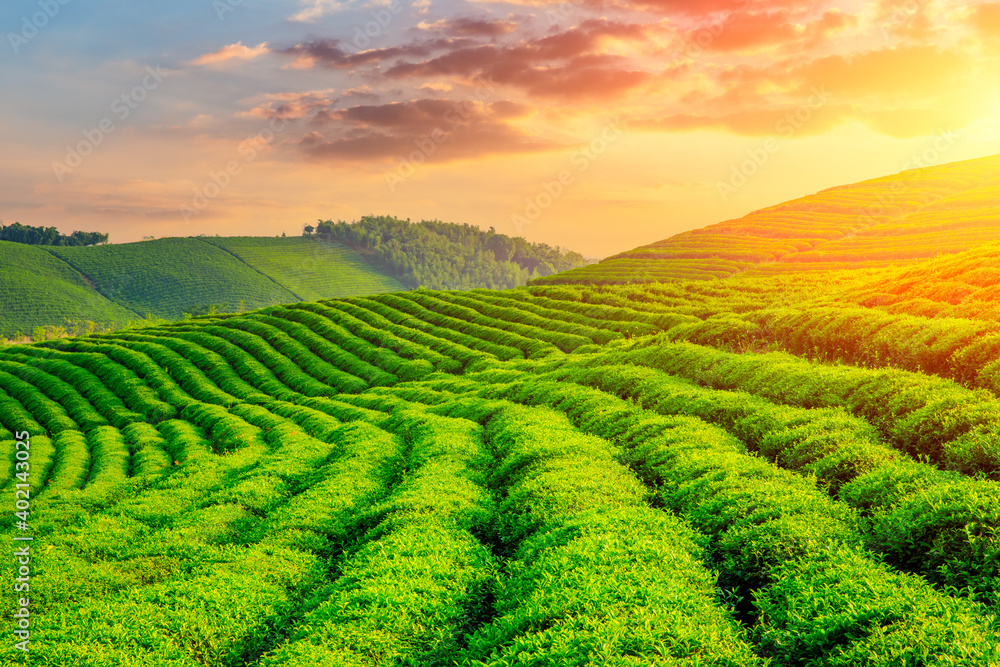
(439, 255)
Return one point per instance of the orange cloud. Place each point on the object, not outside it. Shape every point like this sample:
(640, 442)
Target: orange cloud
(690, 8)
(441, 130)
(917, 71)
(230, 53)
(808, 119)
(899, 92)
(986, 19)
(291, 106)
(568, 65)
(744, 31)
(910, 19)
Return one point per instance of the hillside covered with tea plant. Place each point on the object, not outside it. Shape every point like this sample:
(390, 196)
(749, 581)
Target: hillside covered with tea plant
(694, 473)
(62, 289)
(893, 220)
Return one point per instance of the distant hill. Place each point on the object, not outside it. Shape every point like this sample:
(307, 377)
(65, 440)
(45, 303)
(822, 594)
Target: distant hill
(37, 288)
(112, 285)
(443, 255)
(309, 269)
(896, 219)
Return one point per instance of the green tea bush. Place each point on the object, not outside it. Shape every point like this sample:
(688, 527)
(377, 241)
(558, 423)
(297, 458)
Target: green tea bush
(774, 536)
(599, 576)
(376, 344)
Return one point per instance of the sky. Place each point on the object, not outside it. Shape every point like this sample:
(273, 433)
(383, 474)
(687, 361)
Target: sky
(592, 125)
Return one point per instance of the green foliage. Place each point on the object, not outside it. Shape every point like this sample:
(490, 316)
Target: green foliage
(26, 234)
(419, 562)
(598, 575)
(440, 255)
(789, 552)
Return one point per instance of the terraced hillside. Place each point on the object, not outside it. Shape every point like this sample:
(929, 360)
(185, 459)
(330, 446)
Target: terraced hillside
(115, 284)
(309, 268)
(545, 476)
(168, 276)
(898, 219)
(37, 288)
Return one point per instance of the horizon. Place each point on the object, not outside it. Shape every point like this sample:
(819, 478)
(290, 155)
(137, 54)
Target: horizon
(595, 127)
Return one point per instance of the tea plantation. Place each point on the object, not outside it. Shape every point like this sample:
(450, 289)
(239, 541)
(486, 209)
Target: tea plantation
(760, 470)
(893, 220)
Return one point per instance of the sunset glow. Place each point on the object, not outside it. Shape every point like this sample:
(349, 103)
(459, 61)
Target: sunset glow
(596, 126)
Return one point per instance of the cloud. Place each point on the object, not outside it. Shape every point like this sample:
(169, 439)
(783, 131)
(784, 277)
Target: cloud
(677, 8)
(291, 106)
(470, 27)
(704, 7)
(800, 121)
(316, 9)
(911, 19)
(917, 71)
(444, 130)
(437, 87)
(749, 31)
(899, 92)
(336, 54)
(569, 65)
(986, 19)
(230, 53)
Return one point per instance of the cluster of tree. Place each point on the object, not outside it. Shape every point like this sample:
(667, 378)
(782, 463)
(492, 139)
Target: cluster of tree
(19, 233)
(440, 255)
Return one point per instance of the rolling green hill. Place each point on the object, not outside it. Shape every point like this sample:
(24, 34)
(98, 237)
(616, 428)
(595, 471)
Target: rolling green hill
(37, 288)
(309, 268)
(443, 255)
(897, 219)
(114, 284)
(168, 277)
